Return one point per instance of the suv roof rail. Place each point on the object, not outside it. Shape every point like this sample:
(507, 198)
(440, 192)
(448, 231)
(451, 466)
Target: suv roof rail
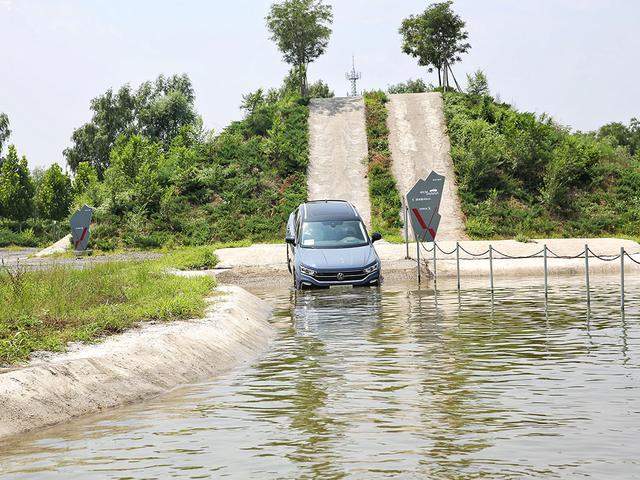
(327, 200)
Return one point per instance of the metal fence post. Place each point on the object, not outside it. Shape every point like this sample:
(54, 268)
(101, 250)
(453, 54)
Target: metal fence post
(435, 268)
(546, 280)
(458, 263)
(406, 228)
(491, 266)
(622, 278)
(586, 273)
(418, 257)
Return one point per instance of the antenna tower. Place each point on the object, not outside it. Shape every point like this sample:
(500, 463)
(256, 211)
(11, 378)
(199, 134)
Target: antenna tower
(353, 77)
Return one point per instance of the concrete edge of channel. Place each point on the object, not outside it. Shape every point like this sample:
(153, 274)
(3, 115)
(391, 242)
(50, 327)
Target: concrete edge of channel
(136, 364)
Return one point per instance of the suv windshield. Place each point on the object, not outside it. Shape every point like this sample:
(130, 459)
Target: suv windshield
(333, 234)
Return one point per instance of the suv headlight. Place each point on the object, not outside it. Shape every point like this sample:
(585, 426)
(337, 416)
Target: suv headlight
(371, 268)
(307, 271)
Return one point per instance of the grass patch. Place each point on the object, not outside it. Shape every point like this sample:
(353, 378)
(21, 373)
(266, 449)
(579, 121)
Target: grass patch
(44, 310)
(383, 192)
(196, 258)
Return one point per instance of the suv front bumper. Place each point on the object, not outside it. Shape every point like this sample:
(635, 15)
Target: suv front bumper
(328, 279)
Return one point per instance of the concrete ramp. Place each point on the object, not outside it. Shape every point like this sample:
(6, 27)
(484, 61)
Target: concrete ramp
(419, 143)
(338, 152)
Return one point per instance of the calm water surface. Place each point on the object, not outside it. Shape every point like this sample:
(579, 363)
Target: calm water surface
(390, 382)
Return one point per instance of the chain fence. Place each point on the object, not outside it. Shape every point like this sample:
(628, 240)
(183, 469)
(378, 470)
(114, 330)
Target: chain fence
(491, 254)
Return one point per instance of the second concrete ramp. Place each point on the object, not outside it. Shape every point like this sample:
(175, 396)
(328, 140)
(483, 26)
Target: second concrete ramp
(419, 143)
(338, 152)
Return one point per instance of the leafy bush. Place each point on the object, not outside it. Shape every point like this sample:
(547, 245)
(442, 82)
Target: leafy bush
(241, 184)
(410, 86)
(522, 174)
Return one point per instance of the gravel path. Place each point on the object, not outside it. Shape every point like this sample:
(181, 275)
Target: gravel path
(419, 143)
(338, 152)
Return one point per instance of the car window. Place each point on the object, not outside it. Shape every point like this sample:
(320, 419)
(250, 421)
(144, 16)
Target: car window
(333, 234)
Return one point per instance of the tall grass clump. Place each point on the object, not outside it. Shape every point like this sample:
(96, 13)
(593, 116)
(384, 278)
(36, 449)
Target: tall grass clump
(44, 310)
(383, 192)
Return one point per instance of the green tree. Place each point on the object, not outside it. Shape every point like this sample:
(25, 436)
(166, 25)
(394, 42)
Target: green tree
(54, 194)
(436, 38)
(301, 29)
(4, 130)
(319, 89)
(164, 107)
(157, 109)
(16, 187)
(622, 135)
(252, 100)
(477, 84)
(410, 86)
(84, 178)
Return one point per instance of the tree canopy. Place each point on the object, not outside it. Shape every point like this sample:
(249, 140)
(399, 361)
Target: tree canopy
(54, 194)
(477, 84)
(622, 135)
(16, 187)
(436, 37)
(410, 86)
(4, 130)
(301, 30)
(156, 109)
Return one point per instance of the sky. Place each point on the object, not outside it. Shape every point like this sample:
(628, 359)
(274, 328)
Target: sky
(574, 59)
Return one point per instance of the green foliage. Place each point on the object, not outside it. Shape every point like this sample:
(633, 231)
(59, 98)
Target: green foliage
(301, 30)
(44, 310)
(5, 132)
(436, 37)
(190, 258)
(410, 86)
(319, 89)
(157, 110)
(85, 186)
(85, 178)
(621, 135)
(522, 175)
(383, 193)
(54, 194)
(477, 84)
(241, 184)
(34, 232)
(16, 187)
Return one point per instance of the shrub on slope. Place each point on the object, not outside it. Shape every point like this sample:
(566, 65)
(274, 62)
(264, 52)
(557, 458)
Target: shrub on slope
(239, 185)
(383, 193)
(519, 173)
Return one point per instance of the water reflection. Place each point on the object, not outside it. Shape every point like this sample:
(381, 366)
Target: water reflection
(398, 381)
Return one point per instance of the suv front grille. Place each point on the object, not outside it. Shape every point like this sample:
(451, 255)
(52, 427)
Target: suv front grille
(352, 276)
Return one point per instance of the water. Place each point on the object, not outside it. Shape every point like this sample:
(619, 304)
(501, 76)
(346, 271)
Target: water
(368, 383)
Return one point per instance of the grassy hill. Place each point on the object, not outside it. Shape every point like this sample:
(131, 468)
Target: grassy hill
(520, 174)
(240, 184)
(158, 179)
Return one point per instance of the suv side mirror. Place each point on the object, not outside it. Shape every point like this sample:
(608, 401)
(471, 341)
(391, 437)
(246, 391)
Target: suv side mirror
(375, 236)
(290, 240)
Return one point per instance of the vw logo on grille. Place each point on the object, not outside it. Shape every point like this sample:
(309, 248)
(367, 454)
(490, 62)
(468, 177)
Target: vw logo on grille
(340, 276)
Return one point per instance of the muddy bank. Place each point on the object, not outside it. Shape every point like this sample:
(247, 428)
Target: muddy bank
(136, 364)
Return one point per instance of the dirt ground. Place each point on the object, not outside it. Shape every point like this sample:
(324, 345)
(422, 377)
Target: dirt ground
(338, 152)
(419, 143)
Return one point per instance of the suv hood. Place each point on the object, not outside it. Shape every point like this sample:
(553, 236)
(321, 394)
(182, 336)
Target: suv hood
(337, 258)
